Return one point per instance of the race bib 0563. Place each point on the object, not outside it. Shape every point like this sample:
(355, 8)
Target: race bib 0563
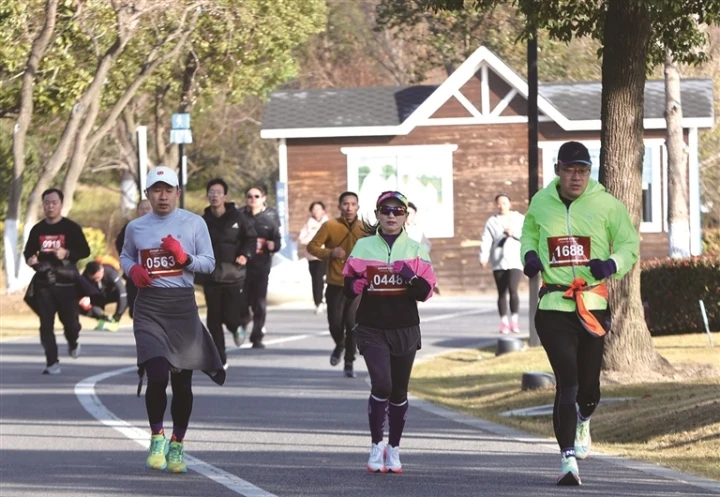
(568, 250)
(160, 263)
(382, 281)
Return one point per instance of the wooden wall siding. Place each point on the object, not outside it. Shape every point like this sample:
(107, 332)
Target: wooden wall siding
(498, 90)
(451, 108)
(489, 159)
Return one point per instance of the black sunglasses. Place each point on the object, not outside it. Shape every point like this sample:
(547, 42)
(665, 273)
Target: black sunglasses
(254, 196)
(398, 210)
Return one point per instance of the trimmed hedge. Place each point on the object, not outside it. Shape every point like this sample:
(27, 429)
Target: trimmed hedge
(671, 290)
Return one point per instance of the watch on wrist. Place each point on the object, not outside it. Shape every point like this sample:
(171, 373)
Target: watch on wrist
(188, 261)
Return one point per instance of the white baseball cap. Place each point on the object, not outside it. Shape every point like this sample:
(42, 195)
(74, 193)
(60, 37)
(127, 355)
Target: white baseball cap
(161, 174)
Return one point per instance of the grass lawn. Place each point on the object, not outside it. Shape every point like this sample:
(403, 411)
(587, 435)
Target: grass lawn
(675, 423)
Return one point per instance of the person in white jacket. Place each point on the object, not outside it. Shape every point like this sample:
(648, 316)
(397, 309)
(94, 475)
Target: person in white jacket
(316, 266)
(500, 245)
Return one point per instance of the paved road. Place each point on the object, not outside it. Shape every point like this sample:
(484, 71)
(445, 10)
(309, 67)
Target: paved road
(284, 424)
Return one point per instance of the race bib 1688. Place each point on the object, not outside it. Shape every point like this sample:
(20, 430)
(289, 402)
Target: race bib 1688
(568, 250)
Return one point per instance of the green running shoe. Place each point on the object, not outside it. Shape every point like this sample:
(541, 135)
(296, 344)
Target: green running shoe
(569, 474)
(157, 456)
(582, 439)
(175, 458)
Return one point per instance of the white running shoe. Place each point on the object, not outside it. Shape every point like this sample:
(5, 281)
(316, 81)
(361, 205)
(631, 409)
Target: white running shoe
(75, 353)
(53, 369)
(376, 462)
(392, 459)
(582, 439)
(569, 474)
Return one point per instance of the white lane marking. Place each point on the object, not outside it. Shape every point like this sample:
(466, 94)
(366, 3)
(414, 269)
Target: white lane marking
(88, 398)
(85, 392)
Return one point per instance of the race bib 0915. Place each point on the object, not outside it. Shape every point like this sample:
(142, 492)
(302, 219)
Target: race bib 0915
(568, 250)
(160, 263)
(383, 282)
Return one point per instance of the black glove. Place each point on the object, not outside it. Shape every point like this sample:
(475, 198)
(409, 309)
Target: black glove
(532, 264)
(602, 269)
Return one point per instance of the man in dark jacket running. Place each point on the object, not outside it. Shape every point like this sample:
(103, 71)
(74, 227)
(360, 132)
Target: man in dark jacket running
(267, 227)
(234, 242)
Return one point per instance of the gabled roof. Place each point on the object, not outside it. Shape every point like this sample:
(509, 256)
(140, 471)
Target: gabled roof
(397, 110)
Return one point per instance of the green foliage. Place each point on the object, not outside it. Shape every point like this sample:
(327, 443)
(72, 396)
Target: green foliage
(98, 245)
(672, 289)
(711, 242)
(676, 24)
(450, 36)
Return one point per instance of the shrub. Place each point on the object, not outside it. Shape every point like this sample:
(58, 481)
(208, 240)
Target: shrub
(672, 289)
(711, 241)
(98, 245)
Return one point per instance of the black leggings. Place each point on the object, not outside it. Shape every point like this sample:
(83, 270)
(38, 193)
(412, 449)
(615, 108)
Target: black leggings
(389, 374)
(576, 358)
(507, 281)
(317, 274)
(158, 370)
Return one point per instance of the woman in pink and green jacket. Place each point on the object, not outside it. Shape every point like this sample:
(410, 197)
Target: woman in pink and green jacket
(393, 273)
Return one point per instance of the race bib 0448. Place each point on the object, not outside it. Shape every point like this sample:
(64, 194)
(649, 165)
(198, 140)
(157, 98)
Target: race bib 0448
(383, 282)
(568, 250)
(160, 263)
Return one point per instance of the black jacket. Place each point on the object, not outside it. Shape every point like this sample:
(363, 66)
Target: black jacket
(267, 227)
(232, 235)
(111, 289)
(44, 238)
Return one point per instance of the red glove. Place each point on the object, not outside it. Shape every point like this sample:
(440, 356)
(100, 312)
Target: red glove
(140, 276)
(359, 285)
(175, 248)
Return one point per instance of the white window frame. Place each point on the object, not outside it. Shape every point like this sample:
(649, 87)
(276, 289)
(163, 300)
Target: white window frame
(441, 154)
(657, 189)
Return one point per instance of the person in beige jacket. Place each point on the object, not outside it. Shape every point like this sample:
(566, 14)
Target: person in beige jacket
(333, 242)
(317, 267)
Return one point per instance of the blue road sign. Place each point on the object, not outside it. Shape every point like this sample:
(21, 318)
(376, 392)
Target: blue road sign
(181, 121)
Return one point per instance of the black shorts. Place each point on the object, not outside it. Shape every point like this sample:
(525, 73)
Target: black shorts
(400, 341)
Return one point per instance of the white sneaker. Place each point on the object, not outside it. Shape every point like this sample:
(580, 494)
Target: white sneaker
(376, 462)
(569, 473)
(392, 459)
(318, 310)
(226, 366)
(75, 353)
(582, 439)
(53, 369)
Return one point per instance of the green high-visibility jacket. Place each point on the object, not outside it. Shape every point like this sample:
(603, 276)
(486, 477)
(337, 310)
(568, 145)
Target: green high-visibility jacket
(596, 215)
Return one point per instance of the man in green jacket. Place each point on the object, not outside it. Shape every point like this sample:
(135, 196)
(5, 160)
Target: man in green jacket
(577, 235)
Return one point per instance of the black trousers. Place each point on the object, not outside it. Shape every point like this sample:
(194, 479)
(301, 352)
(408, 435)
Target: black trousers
(507, 282)
(317, 274)
(255, 289)
(389, 374)
(576, 358)
(63, 301)
(224, 306)
(341, 319)
(158, 370)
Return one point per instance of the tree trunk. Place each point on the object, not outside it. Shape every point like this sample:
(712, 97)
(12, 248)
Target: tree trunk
(678, 208)
(626, 33)
(39, 47)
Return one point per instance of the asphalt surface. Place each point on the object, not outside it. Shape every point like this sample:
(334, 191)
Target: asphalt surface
(286, 423)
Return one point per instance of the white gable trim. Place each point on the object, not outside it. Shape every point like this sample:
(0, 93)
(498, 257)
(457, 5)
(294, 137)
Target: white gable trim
(467, 121)
(467, 104)
(502, 105)
(481, 58)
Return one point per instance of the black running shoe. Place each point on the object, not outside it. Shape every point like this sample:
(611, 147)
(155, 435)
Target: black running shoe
(349, 371)
(336, 355)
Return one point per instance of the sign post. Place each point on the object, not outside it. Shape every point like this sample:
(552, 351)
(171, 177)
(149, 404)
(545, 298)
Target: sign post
(181, 134)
